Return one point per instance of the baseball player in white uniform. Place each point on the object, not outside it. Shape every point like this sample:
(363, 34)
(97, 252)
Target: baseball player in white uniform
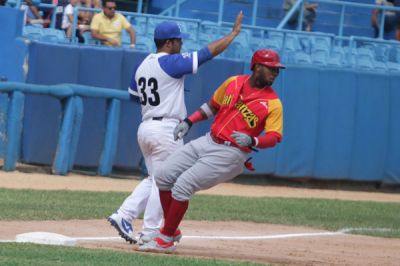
(158, 82)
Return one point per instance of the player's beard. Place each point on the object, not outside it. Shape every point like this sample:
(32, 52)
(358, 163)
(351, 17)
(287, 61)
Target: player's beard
(264, 83)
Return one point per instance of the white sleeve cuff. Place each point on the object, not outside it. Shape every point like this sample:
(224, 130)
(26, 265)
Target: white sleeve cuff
(135, 93)
(256, 141)
(195, 62)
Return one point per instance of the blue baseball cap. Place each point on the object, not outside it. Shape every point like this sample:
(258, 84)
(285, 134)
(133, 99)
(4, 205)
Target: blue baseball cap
(169, 30)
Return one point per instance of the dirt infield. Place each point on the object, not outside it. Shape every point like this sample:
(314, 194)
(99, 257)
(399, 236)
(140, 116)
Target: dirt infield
(262, 243)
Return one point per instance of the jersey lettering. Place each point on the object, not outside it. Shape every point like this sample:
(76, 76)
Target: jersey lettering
(227, 99)
(247, 114)
(154, 97)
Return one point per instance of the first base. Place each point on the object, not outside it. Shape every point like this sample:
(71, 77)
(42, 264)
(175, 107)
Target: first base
(45, 238)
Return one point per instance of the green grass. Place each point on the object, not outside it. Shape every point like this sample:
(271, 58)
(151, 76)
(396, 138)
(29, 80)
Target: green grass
(29, 254)
(317, 213)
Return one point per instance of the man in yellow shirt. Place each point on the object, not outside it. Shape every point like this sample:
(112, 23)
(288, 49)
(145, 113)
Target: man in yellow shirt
(108, 25)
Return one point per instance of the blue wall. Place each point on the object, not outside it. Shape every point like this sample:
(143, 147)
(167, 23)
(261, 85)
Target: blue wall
(105, 67)
(339, 124)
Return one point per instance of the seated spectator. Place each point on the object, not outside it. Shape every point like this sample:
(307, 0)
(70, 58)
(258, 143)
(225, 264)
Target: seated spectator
(96, 4)
(3, 2)
(68, 19)
(309, 14)
(61, 4)
(392, 18)
(86, 16)
(32, 15)
(108, 25)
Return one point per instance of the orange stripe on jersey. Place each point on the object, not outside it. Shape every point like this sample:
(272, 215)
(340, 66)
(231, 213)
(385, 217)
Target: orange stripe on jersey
(219, 95)
(274, 120)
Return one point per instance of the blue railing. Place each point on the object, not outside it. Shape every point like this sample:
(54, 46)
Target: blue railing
(70, 97)
(300, 4)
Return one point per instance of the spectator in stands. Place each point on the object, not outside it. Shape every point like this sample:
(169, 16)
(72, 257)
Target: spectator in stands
(309, 14)
(32, 15)
(3, 2)
(108, 25)
(86, 16)
(61, 4)
(68, 19)
(96, 4)
(392, 18)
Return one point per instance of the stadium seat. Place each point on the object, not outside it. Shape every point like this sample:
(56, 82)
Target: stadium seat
(393, 67)
(364, 62)
(319, 57)
(394, 54)
(276, 36)
(302, 58)
(140, 25)
(322, 43)
(271, 44)
(190, 27)
(145, 44)
(337, 56)
(32, 32)
(380, 66)
(54, 35)
(190, 46)
(291, 43)
(89, 40)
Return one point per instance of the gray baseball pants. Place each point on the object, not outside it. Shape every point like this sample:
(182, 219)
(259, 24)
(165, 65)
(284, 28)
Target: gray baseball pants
(199, 165)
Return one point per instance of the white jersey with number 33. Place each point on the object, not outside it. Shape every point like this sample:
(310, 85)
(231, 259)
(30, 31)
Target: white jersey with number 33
(159, 83)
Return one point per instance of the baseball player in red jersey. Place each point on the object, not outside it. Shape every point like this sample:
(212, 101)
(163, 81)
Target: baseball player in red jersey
(158, 83)
(244, 106)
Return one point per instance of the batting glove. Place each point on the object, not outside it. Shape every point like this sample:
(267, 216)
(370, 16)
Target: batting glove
(182, 129)
(242, 139)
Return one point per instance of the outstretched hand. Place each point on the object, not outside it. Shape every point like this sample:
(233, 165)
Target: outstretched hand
(238, 23)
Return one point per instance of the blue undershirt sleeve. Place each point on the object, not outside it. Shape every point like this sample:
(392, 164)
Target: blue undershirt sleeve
(204, 55)
(178, 65)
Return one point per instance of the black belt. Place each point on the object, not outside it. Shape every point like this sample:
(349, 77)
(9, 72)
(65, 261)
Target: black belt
(157, 118)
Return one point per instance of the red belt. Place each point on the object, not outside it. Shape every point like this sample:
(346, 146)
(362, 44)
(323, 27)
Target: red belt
(224, 142)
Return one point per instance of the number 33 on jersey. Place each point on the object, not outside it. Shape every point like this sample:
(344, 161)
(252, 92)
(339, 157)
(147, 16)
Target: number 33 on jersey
(159, 83)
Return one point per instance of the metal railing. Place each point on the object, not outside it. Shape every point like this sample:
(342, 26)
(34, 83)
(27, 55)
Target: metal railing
(70, 97)
(300, 4)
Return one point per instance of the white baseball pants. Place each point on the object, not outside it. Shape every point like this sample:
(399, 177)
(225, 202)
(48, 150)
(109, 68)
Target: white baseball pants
(156, 142)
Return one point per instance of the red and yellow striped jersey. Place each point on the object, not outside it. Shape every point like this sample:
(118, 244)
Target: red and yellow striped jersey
(246, 109)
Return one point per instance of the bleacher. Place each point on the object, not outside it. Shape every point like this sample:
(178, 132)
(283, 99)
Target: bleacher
(341, 84)
(351, 46)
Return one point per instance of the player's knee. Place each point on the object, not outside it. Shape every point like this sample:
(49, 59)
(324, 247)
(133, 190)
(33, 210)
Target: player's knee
(161, 181)
(180, 193)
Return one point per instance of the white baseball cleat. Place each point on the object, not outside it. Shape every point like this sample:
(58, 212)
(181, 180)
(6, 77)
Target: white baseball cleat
(146, 238)
(123, 227)
(161, 243)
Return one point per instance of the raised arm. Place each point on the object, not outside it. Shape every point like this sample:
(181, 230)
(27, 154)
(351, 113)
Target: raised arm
(220, 45)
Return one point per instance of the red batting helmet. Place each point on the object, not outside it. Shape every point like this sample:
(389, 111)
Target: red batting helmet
(266, 57)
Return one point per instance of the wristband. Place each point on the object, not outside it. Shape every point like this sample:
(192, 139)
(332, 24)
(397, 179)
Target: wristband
(190, 123)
